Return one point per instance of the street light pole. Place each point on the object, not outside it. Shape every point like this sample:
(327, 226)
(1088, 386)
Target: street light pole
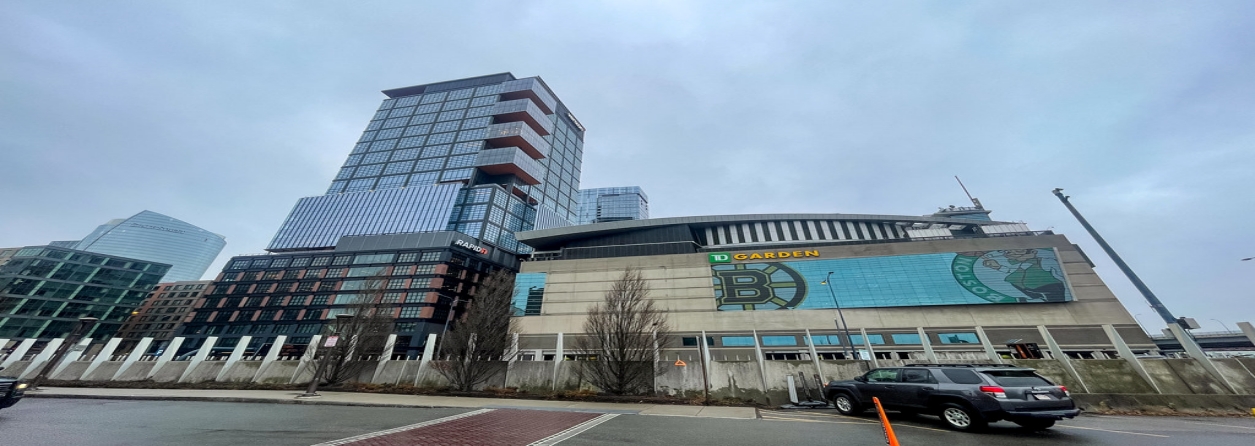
(452, 312)
(321, 366)
(84, 323)
(1137, 282)
(1222, 324)
(844, 327)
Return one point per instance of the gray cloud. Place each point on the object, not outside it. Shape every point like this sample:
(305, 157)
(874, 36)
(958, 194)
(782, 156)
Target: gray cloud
(224, 113)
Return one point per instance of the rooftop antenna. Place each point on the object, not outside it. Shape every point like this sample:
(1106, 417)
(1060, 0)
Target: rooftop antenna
(969, 194)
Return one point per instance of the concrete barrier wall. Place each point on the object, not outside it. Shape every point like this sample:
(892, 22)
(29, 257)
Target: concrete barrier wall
(15, 369)
(72, 371)
(743, 379)
(242, 371)
(1239, 373)
(171, 371)
(136, 372)
(1111, 376)
(532, 376)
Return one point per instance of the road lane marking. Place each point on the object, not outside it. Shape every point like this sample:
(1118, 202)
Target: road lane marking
(1114, 431)
(573, 430)
(404, 428)
(1145, 419)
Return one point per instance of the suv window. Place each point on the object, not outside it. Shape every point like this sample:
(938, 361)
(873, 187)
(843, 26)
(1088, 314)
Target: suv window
(882, 375)
(1017, 378)
(962, 376)
(919, 376)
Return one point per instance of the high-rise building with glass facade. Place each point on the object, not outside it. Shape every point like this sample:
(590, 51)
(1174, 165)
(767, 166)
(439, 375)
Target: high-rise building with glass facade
(45, 289)
(606, 204)
(156, 238)
(484, 156)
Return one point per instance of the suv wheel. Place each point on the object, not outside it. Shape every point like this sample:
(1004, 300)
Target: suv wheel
(1036, 425)
(845, 404)
(961, 418)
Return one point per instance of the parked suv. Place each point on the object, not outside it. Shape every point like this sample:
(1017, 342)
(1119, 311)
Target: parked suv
(11, 391)
(965, 396)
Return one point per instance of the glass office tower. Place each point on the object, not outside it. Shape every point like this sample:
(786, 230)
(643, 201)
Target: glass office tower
(484, 156)
(45, 289)
(612, 204)
(156, 238)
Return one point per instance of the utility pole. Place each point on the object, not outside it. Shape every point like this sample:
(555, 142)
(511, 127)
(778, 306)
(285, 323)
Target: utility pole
(1137, 282)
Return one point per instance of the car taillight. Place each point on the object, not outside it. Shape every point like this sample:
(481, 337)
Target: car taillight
(994, 391)
(1065, 390)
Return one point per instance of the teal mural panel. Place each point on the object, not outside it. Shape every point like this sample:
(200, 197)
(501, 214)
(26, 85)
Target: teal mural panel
(956, 278)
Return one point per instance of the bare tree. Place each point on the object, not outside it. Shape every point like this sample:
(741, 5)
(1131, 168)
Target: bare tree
(482, 336)
(362, 337)
(623, 336)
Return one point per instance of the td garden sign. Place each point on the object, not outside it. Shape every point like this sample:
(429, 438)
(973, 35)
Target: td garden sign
(724, 257)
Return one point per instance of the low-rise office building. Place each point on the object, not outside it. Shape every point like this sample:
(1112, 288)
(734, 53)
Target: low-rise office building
(954, 284)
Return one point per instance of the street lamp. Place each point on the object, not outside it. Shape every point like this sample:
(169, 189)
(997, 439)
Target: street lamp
(84, 324)
(844, 327)
(453, 307)
(321, 366)
(1222, 324)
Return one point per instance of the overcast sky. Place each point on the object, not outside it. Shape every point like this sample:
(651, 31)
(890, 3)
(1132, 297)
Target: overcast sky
(224, 113)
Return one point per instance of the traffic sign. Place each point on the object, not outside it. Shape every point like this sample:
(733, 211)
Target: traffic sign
(680, 363)
(331, 341)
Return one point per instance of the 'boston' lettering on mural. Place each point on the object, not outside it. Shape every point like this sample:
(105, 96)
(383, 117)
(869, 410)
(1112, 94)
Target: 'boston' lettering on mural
(775, 255)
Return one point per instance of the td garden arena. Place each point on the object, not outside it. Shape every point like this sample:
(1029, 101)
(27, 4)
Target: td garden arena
(954, 285)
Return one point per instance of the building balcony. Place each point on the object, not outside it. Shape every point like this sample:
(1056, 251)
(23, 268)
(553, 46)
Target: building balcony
(523, 110)
(530, 88)
(520, 135)
(510, 161)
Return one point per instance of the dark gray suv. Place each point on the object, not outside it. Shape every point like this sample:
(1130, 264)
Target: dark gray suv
(965, 396)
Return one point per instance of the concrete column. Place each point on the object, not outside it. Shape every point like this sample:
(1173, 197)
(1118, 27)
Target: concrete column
(557, 362)
(272, 355)
(989, 346)
(18, 353)
(1126, 353)
(1197, 353)
(1246, 328)
(101, 357)
(927, 344)
(136, 353)
(384, 357)
(236, 355)
(762, 367)
(810, 343)
(201, 354)
(868, 344)
(513, 354)
(43, 356)
(70, 356)
(1060, 356)
(429, 350)
(310, 351)
(166, 356)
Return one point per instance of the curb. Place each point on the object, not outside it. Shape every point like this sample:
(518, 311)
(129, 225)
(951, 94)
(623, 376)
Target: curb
(230, 399)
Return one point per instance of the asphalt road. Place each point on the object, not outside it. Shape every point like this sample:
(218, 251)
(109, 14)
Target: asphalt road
(106, 422)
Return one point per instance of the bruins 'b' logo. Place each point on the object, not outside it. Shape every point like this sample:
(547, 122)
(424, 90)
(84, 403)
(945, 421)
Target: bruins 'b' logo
(758, 286)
